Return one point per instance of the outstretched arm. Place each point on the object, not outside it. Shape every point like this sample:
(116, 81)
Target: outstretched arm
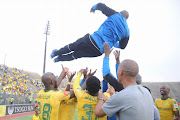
(62, 75)
(113, 82)
(104, 9)
(70, 76)
(117, 58)
(106, 70)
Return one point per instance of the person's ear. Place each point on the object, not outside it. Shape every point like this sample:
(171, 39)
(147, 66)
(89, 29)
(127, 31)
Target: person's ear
(120, 73)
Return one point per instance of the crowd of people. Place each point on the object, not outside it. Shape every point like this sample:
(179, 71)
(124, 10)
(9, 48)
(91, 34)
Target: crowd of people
(14, 84)
(122, 98)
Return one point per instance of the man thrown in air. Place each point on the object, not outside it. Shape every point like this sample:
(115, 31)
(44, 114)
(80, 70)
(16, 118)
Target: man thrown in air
(114, 31)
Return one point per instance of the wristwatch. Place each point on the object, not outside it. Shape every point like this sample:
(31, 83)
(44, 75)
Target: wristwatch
(100, 98)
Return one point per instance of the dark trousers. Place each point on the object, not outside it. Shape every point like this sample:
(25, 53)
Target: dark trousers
(83, 47)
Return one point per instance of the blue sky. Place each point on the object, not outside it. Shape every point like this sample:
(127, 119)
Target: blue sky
(154, 34)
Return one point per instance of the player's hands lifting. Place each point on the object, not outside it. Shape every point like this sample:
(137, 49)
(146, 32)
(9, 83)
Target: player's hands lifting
(117, 56)
(90, 74)
(107, 49)
(65, 69)
(70, 75)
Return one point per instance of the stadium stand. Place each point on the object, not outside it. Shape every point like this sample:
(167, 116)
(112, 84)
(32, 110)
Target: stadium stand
(155, 89)
(18, 86)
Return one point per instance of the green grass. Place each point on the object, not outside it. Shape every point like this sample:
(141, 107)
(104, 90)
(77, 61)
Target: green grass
(28, 117)
(179, 109)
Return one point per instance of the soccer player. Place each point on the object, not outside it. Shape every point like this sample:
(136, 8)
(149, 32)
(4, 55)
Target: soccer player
(67, 107)
(87, 100)
(167, 106)
(49, 99)
(114, 31)
(36, 115)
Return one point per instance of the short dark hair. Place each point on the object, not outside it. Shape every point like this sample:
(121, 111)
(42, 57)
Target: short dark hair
(93, 85)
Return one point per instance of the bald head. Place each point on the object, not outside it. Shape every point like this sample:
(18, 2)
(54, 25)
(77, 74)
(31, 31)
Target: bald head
(48, 78)
(164, 90)
(125, 14)
(129, 67)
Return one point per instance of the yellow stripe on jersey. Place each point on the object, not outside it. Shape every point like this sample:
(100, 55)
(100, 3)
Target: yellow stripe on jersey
(86, 102)
(48, 103)
(67, 109)
(166, 108)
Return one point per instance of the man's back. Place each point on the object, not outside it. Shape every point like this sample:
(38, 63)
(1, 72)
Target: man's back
(48, 103)
(111, 31)
(86, 106)
(132, 103)
(67, 109)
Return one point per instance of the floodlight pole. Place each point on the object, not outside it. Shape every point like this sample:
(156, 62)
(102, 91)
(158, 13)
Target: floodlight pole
(47, 32)
(3, 73)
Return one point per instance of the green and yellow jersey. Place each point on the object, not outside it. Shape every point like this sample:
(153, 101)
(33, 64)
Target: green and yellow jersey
(48, 103)
(67, 109)
(166, 108)
(34, 117)
(86, 102)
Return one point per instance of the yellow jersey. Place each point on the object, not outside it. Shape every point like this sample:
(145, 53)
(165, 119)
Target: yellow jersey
(48, 103)
(67, 109)
(34, 117)
(166, 108)
(86, 102)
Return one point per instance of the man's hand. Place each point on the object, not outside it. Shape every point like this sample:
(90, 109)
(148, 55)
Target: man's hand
(103, 96)
(70, 75)
(85, 73)
(82, 71)
(92, 10)
(65, 69)
(117, 56)
(91, 74)
(62, 75)
(111, 90)
(107, 49)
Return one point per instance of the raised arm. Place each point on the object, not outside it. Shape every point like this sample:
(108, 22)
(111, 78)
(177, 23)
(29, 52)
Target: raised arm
(70, 76)
(62, 75)
(117, 58)
(104, 9)
(106, 70)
